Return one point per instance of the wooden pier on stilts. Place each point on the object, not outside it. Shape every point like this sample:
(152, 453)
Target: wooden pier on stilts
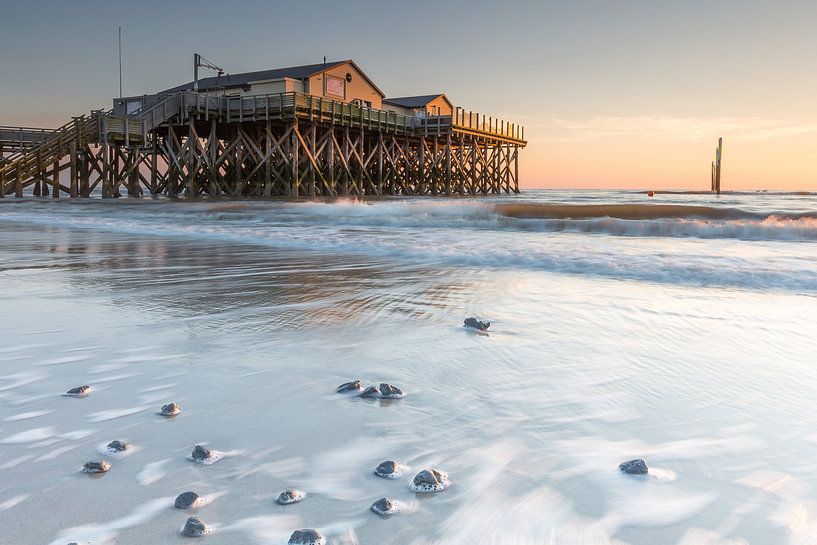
(195, 144)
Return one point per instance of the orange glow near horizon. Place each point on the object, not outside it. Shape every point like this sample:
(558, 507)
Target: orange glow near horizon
(620, 153)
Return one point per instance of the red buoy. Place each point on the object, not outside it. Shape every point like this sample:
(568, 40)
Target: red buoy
(651, 193)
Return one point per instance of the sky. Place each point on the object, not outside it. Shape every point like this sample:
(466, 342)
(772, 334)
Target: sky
(613, 93)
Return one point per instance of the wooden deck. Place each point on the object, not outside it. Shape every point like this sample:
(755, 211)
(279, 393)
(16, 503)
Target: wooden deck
(154, 110)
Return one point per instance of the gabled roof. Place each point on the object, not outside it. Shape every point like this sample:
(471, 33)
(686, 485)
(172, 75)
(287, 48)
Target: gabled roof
(417, 101)
(229, 81)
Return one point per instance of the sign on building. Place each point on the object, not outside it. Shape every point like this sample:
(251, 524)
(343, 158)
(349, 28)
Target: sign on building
(334, 86)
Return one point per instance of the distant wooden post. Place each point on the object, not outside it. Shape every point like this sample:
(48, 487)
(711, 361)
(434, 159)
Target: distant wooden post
(718, 156)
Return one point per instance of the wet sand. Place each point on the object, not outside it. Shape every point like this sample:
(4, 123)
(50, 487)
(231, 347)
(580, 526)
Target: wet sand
(576, 375)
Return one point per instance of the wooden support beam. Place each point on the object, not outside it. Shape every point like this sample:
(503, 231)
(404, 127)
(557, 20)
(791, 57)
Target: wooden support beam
(107, 190)
(313, 167)
(74, 172)
(55, 184)
(379, 162)
(330, 158)
(448, 166)
(18, 185)
(268, 158)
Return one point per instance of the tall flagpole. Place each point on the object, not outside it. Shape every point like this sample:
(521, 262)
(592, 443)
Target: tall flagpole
(120, 62)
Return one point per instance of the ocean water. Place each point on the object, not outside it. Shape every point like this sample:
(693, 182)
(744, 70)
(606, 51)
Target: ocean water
(681, 329)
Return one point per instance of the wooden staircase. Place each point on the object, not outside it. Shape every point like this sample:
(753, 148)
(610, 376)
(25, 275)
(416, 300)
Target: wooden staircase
(40, 165)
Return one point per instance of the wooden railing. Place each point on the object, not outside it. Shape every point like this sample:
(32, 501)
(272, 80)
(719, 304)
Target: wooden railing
(303, 106)
(475, 121)
(154, 110)
(21, 138)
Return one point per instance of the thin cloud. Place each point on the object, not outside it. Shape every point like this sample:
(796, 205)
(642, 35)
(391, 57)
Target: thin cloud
(687, 128)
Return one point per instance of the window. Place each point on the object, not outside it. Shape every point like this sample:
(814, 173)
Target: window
(368, 103)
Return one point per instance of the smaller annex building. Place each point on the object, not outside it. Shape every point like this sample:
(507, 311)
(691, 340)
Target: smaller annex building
(420, 106)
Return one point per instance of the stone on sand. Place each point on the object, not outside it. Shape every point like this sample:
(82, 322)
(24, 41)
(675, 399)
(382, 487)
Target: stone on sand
(79, 391)
(306, 536)
(186, 500)
(388, 469)
(389, 391)
(290, 496)
(473, 323)
(384, 506)
(201, 454)
(634, 467)
(117, 446)
(430, 480)
(96, 467)
(171, 409)
(354, 386)
(370, 392)
(194, 527)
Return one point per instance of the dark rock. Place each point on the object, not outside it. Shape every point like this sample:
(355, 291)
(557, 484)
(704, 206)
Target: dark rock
(186, 500)
(200, 453)
(171, 409)
(386, 469)
(354, 386)
(290, 496)
(383, 506)
(477, 324)
(390, 392)
(634, 467)
(194, 527)
(307, 536)
(117, 446)
(79, 391)
(370, 392)
(428, 476)
(96, 467)
(430, 480)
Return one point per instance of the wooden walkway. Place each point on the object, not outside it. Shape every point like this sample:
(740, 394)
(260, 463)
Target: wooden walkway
(288, 144)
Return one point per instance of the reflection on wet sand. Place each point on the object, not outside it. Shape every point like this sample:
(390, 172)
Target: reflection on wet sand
(223, 284)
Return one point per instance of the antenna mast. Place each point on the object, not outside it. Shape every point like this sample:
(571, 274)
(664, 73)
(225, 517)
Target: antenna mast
(199, 61)
(120, 62)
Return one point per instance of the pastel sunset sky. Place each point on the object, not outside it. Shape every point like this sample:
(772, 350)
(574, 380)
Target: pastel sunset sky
(613, 94)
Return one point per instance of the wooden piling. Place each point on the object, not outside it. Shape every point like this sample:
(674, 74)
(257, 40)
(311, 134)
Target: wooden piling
(72, 172)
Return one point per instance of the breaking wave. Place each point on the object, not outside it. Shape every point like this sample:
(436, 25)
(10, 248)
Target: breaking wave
(656, 243)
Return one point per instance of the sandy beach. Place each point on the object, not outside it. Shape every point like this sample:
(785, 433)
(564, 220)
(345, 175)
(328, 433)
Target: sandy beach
(692, 351)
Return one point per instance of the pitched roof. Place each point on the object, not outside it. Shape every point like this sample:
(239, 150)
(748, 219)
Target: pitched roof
(414, 102)
(240, 80)
(294, 72)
